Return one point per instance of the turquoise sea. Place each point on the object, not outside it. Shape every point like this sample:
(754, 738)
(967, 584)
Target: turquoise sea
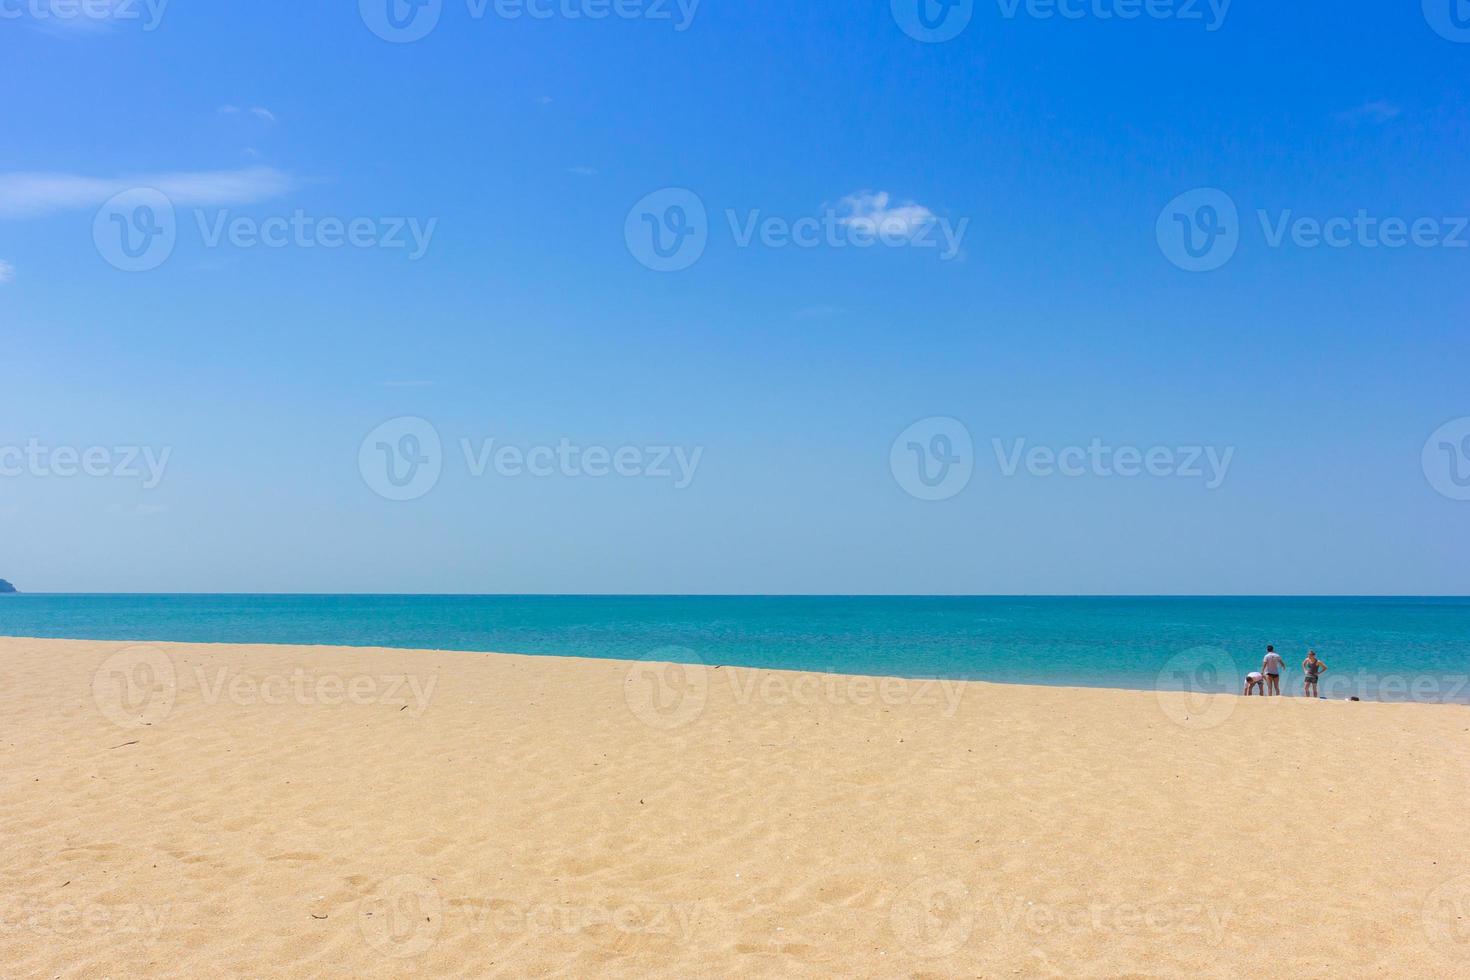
(1376, 648)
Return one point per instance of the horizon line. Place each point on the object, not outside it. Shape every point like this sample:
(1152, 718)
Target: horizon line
(789, 595)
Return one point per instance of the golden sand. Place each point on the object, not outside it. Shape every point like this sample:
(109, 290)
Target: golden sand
(265, 811)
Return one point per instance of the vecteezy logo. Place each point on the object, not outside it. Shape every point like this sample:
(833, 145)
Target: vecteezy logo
(1199, 231)
(135, 231)
(400, 21)
(933, 459)
(135, 687)
(1197, 688)
(667, 230)
(401, 459)
(1449, 18)
(933, 916)
(402, 916)
(1446, 459)
(932, 21)
(1446, 918)
(667, 689)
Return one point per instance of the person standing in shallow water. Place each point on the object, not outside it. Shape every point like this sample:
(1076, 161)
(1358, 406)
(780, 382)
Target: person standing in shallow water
(1271, 666)
(1312, 668)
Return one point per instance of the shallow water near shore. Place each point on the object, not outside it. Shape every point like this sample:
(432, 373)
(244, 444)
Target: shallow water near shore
(1389, 648)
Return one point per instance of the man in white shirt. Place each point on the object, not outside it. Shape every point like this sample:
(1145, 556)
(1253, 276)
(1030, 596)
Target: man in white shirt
(1271, 666)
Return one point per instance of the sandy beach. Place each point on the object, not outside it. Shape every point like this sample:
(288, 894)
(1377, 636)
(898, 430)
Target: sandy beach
(176, 810)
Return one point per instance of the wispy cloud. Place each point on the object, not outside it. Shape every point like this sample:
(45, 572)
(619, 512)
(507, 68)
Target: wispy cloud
(583, 171)
(25, 195)
(544, 100)
(1378, 111)
(258, 111)
(873, 212)
(7, 272)
(407, 384)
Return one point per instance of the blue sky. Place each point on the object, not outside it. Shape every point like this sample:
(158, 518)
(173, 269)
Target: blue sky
(1058, 152)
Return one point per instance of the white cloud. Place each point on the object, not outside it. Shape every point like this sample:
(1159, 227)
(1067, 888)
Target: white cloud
(258, 111)
(1378, 111)
(34, 194)
(872, 213)
(7, 272)
(583, 171)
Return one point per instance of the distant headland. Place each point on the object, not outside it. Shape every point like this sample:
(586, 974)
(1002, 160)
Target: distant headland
(6, 587)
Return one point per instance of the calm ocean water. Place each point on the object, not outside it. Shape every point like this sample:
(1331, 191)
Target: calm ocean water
(1390, 648)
